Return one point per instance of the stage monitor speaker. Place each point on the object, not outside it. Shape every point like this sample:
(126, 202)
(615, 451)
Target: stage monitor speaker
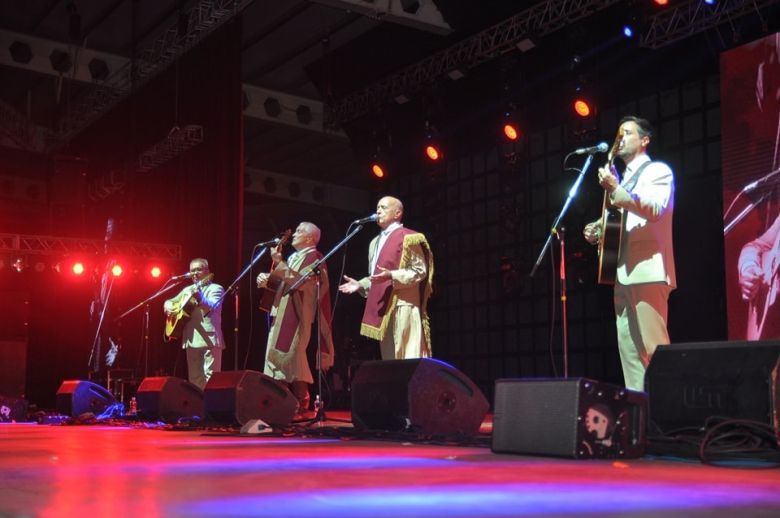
(12, 409)
(691, 382)
(422, 395)
(236, 397)
(578, 418)
(168, 399)
(76, 397)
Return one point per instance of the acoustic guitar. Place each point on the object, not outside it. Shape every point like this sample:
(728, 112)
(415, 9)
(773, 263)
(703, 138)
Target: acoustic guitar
(178, 318)
(268, 292)
(611, 226)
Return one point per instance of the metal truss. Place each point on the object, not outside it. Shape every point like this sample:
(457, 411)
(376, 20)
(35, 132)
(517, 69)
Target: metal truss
(177, 142)
(19, 129)
(203, 19)
(536, 21)
(61, 246)
(679, 22)
(174, 144)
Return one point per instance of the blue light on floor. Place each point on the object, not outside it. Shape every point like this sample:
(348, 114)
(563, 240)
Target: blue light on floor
(484, 500)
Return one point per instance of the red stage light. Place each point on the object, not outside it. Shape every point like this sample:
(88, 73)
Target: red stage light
(116, 270)
(511, 132)
(78, 268)
(661, 2)
(582, 107)
(378, 171)
(432, 152)
(155, 271)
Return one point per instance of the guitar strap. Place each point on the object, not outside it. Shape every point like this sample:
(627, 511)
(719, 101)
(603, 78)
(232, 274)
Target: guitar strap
(630, 184)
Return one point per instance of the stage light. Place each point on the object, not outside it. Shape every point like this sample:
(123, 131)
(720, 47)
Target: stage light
(661, 2)
(510, 131)
(582, 107)
(709, 2)
(377, 170)
(432, 148)
(432, 152)
(628, 31)
(116, 270)
(18, 264)
(272, 107)
(78, 268)
(155, 272)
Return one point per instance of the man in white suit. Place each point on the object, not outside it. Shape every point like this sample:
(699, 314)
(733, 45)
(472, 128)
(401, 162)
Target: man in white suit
(645, 272)
(202, 333)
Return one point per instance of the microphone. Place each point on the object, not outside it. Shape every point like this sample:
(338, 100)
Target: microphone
(770, 178)
(601, 147)
(187, 275)
(368, 219)
(273, 242)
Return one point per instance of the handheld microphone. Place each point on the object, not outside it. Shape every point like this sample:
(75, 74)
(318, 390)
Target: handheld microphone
(273, 242)
(601, 147)
(187, 275)
(368, 219)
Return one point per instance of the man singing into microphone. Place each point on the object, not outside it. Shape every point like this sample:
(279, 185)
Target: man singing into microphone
(398, 286)
(645, 264)
(294, 314)
(201, 335)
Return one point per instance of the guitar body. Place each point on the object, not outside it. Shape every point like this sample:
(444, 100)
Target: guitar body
(179, 316)
(268, 294)
(609, 245)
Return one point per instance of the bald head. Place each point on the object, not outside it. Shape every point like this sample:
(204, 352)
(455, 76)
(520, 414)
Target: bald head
(390, 210)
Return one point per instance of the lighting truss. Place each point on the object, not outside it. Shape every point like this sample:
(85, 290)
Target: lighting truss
(19, 129)
(536, 21)
(58, 246)
(203, 19)
(177, 142)
(684, 20)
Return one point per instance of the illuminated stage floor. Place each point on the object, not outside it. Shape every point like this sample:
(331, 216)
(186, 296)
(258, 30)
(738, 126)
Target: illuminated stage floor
(95, 471)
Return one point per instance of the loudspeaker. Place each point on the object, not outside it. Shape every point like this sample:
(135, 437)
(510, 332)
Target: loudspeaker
(236, 397)
(76, 397)
(688, 383)
(12, 409)
(424, 395)
(168, 399)
(577, 418)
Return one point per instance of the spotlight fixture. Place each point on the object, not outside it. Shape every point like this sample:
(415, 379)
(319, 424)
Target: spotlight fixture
(433, 149)
(272, 107)
(582, 107)
(98, 69)
(20, 52)
(60, 61)
(510, 127)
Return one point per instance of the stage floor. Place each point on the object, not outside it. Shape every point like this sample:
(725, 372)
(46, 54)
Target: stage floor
(99, 470)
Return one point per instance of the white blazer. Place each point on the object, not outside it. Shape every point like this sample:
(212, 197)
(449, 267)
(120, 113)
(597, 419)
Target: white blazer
(646, 251)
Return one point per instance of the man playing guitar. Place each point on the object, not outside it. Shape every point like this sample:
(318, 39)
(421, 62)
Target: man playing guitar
(645, 265)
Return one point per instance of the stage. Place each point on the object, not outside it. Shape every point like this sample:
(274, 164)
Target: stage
(140, 470)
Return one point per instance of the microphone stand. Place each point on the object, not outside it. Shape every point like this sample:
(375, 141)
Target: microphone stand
(763, 182)
(168, 286)
(560, 235)
(319, 402)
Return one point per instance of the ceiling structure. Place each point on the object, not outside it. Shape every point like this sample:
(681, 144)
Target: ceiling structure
(328, 81)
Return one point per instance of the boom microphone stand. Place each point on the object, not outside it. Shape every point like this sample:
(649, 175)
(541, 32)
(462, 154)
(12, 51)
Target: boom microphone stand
(560, 235)
(320, 416)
